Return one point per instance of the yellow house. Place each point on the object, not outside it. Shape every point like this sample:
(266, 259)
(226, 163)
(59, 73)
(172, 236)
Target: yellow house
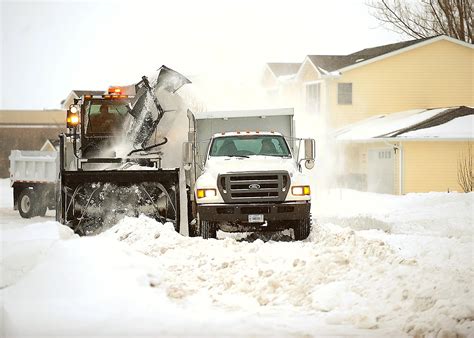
(423, 73)
(405, 78)
(418, 150)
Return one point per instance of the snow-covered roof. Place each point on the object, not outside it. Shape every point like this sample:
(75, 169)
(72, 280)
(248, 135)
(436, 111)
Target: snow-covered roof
(440, 123)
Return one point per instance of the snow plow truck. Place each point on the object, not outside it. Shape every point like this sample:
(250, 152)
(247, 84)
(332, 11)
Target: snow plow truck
(138, 150)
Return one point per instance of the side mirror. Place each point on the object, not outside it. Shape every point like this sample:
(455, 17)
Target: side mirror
(187, 155)
(309, 164)
(309, 153)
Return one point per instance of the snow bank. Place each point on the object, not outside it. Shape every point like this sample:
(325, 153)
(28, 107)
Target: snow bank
(23, 248)
(351, 277)
(435, 213)
(338, 275)
(6, 193)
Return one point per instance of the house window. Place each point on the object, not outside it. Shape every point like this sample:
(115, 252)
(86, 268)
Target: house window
(313, 97)
(344, 93)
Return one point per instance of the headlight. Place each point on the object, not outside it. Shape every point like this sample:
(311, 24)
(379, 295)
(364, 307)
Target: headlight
(74, 109)
(206, 193)
(301, 190)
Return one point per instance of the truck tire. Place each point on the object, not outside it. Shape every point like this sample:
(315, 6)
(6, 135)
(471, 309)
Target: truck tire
(302, 229)
(41, 209)
(27, 203)
(193, 231)
(208, 230)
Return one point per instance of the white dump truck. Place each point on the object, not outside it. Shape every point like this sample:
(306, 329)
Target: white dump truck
(34, 177)
(245, 173)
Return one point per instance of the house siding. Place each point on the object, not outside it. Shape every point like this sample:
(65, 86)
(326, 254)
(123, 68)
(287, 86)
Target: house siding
(432, 165)
(435, 75)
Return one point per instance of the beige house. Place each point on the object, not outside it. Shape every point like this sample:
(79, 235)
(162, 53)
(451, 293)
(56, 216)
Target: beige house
(27, 130)
(343, 90)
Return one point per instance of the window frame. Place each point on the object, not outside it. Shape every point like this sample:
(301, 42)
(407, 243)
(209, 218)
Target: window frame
(342, 100)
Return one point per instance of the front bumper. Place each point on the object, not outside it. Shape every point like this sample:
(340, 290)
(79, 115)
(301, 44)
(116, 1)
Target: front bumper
(238, 213)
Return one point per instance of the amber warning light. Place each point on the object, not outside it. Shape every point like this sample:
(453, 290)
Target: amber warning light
(115, 90)
(72, 119)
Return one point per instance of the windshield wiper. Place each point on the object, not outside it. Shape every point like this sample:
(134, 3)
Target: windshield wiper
(244, 156)
(274, 155)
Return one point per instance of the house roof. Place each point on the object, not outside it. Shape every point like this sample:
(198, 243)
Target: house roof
(330, 63)
(439, 123)
(33, 117)
(284, 69)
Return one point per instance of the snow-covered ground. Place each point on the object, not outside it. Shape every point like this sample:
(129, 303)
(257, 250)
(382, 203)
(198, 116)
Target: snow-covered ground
(374, 265)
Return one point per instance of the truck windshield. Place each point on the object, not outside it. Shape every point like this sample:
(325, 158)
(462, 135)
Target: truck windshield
(105, 117)
(248, 145)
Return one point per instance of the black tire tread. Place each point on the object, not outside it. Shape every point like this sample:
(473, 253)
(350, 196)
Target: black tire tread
(208, 230)
(302, 229)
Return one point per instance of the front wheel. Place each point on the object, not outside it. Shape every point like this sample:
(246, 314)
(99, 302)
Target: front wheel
(208, 229)
(302, 229)
(27, 203)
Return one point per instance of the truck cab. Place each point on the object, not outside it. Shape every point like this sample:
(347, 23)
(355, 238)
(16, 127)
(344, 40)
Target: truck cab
(253, 180)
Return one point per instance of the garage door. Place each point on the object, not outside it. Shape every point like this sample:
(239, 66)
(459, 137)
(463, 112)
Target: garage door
(380, 172)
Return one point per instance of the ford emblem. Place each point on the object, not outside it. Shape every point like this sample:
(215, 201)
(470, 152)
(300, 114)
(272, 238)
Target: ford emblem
(254, 186)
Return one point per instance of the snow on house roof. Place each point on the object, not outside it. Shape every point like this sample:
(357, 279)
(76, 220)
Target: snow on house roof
(440, 123)
(461, 127)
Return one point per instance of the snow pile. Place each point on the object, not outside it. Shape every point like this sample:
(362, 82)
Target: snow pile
(6, 193)
(435, 213)
(373, 265)
(338, 275)
(23, 248)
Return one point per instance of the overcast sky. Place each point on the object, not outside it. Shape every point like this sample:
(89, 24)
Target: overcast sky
(49, 48)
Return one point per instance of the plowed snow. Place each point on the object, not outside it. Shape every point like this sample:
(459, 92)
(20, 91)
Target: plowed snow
(373, 265)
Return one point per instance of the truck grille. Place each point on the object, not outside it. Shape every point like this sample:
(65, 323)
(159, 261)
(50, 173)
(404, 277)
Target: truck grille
(254, 187)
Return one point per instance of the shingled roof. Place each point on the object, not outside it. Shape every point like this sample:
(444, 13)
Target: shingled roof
(330, 63)
(283, 69)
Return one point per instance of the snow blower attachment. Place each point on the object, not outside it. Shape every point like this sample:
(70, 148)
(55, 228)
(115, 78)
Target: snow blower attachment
(108, 167)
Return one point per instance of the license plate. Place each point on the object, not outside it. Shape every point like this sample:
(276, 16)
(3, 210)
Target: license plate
(256, 218)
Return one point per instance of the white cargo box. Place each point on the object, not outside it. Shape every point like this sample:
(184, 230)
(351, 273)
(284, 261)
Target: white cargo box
(34, 166)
